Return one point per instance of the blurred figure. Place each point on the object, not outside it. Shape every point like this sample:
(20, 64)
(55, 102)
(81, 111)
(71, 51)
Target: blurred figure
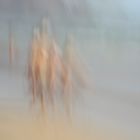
(54, 67)
(37, 69)
(44, 34)
(41, 68)
(72, 73)
(45, 44)
(38, 66)
(32, 64)
(67, 77)
(12, 50)
(46, 64)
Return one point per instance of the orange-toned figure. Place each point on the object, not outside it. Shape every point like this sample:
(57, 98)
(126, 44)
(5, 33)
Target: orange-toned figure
(44, 65)
(32, 65)
(54, 66)
(37, 69)
(41, 68)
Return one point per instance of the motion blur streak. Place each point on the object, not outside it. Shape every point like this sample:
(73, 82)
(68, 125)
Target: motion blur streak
(69, 70)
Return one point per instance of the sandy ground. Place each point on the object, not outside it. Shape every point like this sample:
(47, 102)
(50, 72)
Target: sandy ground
(98, 117)
(19, 126)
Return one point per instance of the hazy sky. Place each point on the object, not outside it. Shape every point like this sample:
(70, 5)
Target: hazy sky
(39, 6)
(116, 8)
(86, 10)
(129, 7)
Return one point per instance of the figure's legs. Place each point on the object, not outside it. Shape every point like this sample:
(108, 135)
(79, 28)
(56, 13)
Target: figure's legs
(33, 90)
(67, 88)
(33, 86)
(10, 60)
(51, 92)
(42, 89)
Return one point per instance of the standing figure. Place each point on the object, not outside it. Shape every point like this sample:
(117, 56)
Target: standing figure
(67, 77)
(72, 73)
(41, 68)
(37, 69)
(32, 65)
(54, 66)
(13, 51)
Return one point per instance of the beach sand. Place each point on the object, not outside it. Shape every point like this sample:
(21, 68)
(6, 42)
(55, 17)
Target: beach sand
(16, 125)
